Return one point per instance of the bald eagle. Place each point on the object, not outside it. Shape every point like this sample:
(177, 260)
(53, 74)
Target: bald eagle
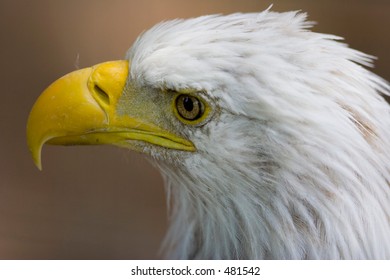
(273, 140)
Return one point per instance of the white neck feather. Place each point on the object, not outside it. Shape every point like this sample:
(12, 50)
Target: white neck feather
(287, 200)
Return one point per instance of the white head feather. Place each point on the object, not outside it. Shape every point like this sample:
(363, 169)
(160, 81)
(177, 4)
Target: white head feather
(295, 162)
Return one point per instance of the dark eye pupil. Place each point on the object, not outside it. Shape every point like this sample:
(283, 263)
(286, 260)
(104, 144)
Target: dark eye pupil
(188, 104)
(189, 107)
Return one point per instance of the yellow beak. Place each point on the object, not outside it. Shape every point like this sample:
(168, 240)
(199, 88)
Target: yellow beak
(80, 108)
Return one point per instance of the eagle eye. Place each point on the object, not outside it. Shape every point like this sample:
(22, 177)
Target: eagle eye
(189, 107)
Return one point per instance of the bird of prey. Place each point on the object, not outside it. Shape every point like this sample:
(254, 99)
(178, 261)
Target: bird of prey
(273, 140)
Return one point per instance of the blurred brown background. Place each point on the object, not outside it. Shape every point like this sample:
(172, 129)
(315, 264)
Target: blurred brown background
(103, 202)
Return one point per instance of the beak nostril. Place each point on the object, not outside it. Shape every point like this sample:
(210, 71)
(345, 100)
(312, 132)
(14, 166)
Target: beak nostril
(101, 94)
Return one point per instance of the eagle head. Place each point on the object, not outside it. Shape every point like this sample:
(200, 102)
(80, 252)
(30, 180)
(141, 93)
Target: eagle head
(273, 140)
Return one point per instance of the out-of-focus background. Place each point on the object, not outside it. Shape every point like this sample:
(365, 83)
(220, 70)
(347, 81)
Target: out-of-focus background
(104, 202)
